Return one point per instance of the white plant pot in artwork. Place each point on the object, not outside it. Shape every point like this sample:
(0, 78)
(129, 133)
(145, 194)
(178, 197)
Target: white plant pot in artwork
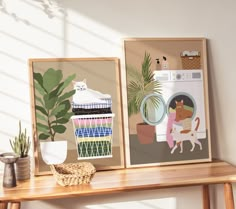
(53, 152)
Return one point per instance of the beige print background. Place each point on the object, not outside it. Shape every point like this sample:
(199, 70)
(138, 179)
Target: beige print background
(101, 75)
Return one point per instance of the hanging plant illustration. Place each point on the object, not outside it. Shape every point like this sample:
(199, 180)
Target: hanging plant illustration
(53, 104)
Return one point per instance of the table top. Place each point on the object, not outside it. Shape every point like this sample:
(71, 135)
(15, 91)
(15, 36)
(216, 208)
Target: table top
(133, 179)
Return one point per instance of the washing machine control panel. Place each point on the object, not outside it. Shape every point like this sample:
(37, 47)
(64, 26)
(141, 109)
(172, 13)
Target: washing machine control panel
(178, 75)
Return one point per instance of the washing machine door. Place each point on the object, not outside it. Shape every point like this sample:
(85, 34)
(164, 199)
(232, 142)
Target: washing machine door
(188, 100)
(153, 109)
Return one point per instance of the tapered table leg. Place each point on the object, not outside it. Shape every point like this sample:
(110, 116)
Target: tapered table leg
(206, 197)
(3, 205)
(229, 198)
(15, 205)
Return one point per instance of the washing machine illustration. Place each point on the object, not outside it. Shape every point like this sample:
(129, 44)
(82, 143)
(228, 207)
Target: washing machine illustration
(181, 104)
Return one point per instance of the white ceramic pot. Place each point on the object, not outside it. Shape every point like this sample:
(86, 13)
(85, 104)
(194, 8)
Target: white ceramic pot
(53, 152)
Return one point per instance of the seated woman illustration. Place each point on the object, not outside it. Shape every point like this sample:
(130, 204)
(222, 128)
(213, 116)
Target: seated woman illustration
(181, 110)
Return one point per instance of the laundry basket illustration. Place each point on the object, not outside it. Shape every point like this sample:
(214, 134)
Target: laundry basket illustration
(191, 60)
(93, 135)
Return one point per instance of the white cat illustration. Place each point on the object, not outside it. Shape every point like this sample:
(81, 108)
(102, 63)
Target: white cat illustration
(190, 136)
(85, 95)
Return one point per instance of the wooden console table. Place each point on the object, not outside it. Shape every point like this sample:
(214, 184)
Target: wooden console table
(105, 182)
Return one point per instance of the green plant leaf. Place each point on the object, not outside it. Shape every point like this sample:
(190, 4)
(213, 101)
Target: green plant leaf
(157, 86)
(55, 93)
(49, 101)
(64, 118)
(140, 84)
(61, 121)
(40, 117)
(67, 82)
(146, 68)
(58, 110)
(68, 115)
(39, 78)
(133, 90)
(41, 109)
(21, 143)
(42, 128)
(59, 128)
(44, 136)
(66, 107)
(54, 103)
(40, 90)
(51, 79)
(132, 107)
(39, 100)
(154, 102)
(133, 74)
(66, 96)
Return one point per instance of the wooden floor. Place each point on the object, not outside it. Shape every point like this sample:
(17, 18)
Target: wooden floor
(104, 182)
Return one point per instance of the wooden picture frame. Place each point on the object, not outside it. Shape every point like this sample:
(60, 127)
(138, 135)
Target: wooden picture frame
(163, 75)
(102, 76)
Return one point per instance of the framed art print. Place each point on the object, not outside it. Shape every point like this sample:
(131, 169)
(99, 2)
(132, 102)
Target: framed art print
(167, 100)
(77, 100)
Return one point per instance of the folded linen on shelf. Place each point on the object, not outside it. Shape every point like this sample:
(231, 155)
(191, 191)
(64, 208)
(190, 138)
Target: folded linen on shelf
(89, 122)
(83, 111)
(93, 132)
(94, 139)
(107, 103)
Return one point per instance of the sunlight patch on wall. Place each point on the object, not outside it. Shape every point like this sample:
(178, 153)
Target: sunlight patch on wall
(95, 38)
(66, 34)
(26, 26)
(28, 31)
(164, 203)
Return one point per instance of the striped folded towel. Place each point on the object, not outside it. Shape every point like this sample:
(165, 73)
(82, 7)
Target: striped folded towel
(93, 132)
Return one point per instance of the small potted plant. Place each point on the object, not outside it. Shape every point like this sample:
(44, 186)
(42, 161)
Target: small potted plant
(141, 83)
(21, 146)
(53, 111)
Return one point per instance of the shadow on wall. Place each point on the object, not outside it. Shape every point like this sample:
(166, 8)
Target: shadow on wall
(3, 8)
(214, 99)
(50, 7)
(55, 9)
(30, 38)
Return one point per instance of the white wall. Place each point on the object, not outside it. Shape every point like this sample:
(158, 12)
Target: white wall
(77, 28)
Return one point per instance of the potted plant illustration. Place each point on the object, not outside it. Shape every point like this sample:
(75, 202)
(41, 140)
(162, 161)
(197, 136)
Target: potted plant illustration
(53, 111)
(141, 83)
(21, 146)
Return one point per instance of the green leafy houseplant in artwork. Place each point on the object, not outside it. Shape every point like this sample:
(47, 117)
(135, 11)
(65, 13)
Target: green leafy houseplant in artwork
(53, 104)
(141, 83)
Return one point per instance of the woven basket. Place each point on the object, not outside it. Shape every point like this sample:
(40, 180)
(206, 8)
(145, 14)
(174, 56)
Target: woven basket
(191, 62)
(73, 173)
